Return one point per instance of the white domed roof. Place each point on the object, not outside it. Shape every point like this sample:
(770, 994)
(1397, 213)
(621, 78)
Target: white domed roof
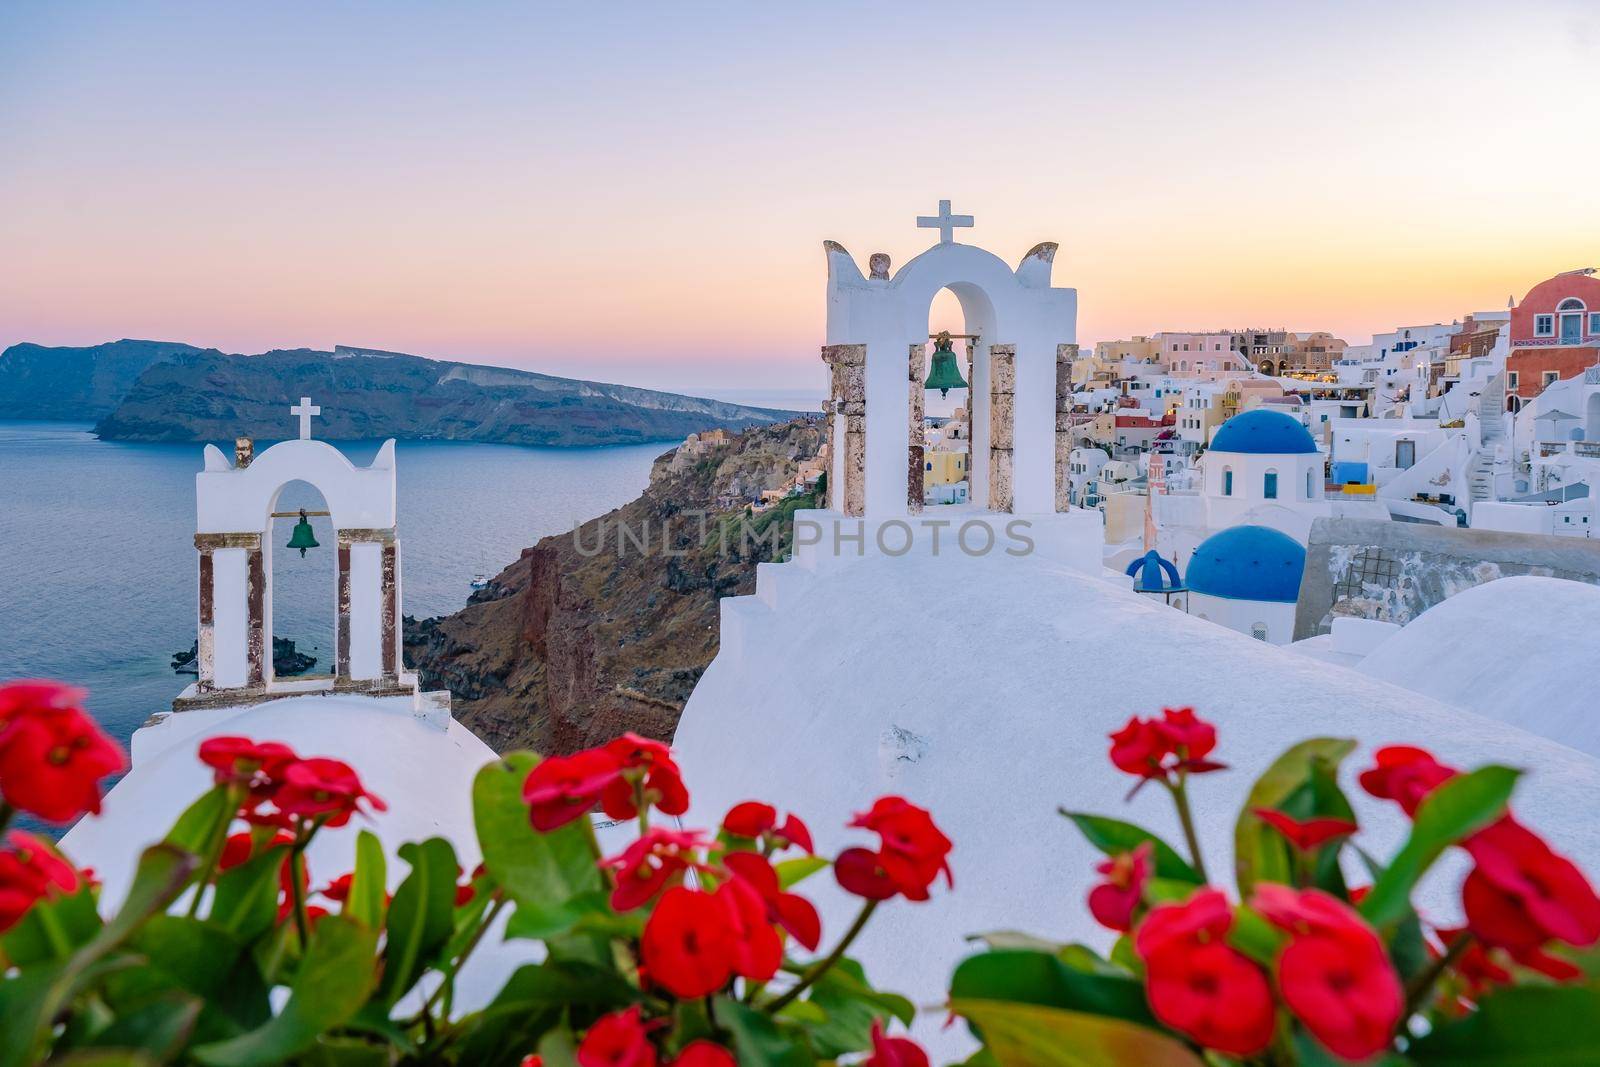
(1520, 650)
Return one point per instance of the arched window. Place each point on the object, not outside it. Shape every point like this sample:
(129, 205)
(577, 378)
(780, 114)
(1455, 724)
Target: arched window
(1269, 485)
(1309, 484)
(1570, 313)
(1227, 481)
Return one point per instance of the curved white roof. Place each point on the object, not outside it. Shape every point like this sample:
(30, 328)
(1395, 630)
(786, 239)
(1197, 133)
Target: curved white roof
(864, 682)
(1520, 650)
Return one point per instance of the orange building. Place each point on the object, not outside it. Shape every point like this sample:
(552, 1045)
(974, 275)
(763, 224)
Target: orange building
(1555, 333)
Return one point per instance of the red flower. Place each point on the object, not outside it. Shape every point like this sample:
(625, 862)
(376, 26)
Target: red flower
(617, 1040)
(30, 870)
(647, 771)
(1307, 836)
(1477, 969)
(687, 946)
(754, 819)
(52, 755)
(1197, 984)
(893, 1051)
(861, 871)
(1140, 747)
(320, 787)
(756, 949)
(789, 910)
(1334, 973)
(647, 865)
(532, 1060)
(1405, 775)
(912, 851)
(562, 788)
(242, 846)
(1541, 894)
(259, 765)
(1190, 737)
(1113, 902)
(339, 889)
(703, 1053)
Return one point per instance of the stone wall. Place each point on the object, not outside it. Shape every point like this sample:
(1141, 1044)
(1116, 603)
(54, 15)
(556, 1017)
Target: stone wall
(916, 451)
(1066, 355)
(1394, 571)
(849, 398)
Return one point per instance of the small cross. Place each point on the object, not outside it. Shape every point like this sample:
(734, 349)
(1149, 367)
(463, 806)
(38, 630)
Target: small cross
(305, 411)
(944, 222)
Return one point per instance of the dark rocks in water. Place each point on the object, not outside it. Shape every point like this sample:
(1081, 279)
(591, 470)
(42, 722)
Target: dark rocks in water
(285, 660)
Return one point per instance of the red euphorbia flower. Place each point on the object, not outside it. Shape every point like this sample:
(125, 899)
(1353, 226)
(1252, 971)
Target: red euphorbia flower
(757, 950)
(1189, 737)
(620, 1039)
(532, 1060)
(754, 819)
(1113, 902)
(1544, 886)
(791, 911)
(1404, 775)
(562, 788)
(647, 767)
(1334, 973)
(52, 755)
(1197, 984)
(257, 764)
(1140, 747)
(650, 863)
(324, 788)
(703, 1053)
(339, 889)
(687, 946)
(893, 1051)
(30, 871)
(861, 871)
(1477, 969)
(913, 849)
(1308, 835)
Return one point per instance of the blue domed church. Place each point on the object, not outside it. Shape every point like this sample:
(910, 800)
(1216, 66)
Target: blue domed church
(1247, 578)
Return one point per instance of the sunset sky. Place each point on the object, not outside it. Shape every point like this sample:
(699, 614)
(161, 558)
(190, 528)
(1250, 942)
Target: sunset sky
(639, 192)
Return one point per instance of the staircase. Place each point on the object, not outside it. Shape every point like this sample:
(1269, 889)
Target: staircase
(1492, 425)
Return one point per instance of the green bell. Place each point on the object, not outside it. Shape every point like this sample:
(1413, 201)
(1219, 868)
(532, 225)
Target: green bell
(944, 375)
(302, 537)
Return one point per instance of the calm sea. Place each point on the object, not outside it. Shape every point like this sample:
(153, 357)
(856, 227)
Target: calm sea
(97, 560)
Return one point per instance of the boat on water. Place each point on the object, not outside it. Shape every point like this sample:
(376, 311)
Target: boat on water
(480, 581)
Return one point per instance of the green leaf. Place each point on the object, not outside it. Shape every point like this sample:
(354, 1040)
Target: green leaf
(105, 1057)
(1521, 1026)
(794, 871)
(536, 869)
(245, 902)
(53, 929)
(1457, 809)
(588, 911)
(421, 917)
(758, 1040)
(1039, 978)
(1113, 836)
(848, 1005)
(1289, 785)
(1029, 1035)
(198, 825)
(348, 1051)
(331, 985)
(533, 1000)
(369, 887)
(160, 1028)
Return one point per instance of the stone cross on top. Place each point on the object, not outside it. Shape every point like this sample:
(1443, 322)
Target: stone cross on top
(944, 222)
(305, 410)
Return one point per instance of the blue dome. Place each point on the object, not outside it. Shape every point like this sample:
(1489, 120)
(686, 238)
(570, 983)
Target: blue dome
(1263, 432)
(1248, 563)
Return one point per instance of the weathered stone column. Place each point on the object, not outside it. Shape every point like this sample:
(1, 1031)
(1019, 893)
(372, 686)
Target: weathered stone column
(1066, 355)
(206, 641)
(341, 621)
(256, 597)
(849, 365)
(917, 450)
(389, 598)
(1002, 387)
(379, 610)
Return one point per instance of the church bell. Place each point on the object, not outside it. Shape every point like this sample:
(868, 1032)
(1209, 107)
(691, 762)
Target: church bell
(944, 374)
(302, 537)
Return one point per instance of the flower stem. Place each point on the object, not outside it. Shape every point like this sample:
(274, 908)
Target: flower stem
(214, 846)
(1180, 797)
(821, 967)
(6, 814)
(1423, 981)
(489, 916)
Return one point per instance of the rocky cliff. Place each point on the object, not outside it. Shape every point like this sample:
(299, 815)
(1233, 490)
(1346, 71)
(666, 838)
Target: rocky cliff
(156, 391)
(608, 628)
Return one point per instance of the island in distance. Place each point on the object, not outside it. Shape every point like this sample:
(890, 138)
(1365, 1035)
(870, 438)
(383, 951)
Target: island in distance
(166, 391)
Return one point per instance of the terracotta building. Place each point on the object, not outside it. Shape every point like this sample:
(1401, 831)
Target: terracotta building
(1555, 333)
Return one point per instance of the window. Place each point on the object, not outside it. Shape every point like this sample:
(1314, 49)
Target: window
(1259, 631)
(1227, 481)
(1572, 303)
(1550, 377)
(1269, 485)
(1309, 484)
(1594, 322)
(1511, 379)
(1544, 325)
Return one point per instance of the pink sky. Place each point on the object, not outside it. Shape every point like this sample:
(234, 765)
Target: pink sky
(642, 195)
